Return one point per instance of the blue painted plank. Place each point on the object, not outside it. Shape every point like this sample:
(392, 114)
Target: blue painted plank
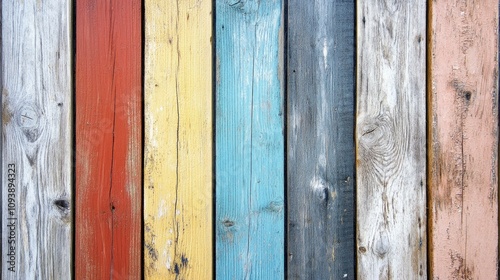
(249, 140)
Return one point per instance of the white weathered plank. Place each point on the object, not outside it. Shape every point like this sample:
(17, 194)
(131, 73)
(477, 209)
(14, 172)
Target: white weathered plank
(390, 139)
(36, 133)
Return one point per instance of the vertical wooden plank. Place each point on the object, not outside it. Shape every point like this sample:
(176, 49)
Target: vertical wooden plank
(36, 140)
(108, 139)
(391, 139)
(249, 140)
(463, 139)
(321, 241)
(178, 140)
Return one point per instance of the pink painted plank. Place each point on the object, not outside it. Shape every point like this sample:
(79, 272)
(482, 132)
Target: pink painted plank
(463, 139)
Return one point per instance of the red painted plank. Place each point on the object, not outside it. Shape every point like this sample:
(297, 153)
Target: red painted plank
(108, 139)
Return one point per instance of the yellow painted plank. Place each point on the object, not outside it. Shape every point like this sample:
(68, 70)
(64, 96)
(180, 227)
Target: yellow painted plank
(178, 140)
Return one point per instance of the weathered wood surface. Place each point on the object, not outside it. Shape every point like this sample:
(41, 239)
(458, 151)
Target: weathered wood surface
(249, 140)
(391, 139)
(178, 140)
(37, 143)
(463, 139)
(321, 213)
(108, 139)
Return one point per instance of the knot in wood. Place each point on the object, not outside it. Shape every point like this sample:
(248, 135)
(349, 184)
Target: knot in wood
(463, 92)
(245, 6)
(227, 230)
(228, 223)
(63, 207)
(28, 120)
(382, 142)
(62, 204)
(320, 187)
(375, 132)
(382, 245)
(274, 207)
(392, 6)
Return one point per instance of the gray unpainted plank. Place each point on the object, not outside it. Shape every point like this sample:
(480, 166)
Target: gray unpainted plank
(321, 154)
(37, 138)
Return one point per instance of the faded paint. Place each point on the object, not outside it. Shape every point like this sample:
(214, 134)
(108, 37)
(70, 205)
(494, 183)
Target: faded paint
(108, 140)
(178, 138)
(463, 139)
(249, 140)
(320, 98)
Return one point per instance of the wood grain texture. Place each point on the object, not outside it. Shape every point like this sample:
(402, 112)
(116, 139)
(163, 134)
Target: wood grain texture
(249, 140)
(36, 139)
(391, 139)
(321, 154)
(178, 140)
(463, 139)
(108, 139)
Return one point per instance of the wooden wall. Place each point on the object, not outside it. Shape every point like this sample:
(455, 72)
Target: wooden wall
(249, 139)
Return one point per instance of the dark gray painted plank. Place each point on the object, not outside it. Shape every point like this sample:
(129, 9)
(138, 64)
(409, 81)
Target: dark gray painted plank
(321, 154)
